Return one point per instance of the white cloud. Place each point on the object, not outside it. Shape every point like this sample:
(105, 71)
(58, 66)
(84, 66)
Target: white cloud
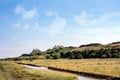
(19, 9)
(83, 19)
(57, 26)
(107, 16)
(104, 34)
(29, 14)
(50, 13)
(25, 14)
(26, 26)
(88, 19)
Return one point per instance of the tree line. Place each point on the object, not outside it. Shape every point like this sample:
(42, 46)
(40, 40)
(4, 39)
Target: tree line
(67, 53)
(70, 53)
(102, 53)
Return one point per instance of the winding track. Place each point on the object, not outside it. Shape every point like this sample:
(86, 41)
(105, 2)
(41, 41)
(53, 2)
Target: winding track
(45, 68)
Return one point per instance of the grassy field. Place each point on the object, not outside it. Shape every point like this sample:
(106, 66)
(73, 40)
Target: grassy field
(12, 71)
(110, 67)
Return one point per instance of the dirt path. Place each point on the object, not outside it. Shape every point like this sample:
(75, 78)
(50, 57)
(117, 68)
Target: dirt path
(45, 68)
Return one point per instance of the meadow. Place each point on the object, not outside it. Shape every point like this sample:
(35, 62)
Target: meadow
(109, 67)
(12, 71)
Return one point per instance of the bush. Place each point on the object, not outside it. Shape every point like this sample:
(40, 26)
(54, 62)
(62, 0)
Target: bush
(2, 68)
(48, 56)
(56, 56)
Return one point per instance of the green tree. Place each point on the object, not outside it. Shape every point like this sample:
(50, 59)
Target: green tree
(104, 56)
(56, 56)
(48, 56)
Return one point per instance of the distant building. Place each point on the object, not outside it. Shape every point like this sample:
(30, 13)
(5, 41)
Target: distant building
(36, 50)
(58, 46)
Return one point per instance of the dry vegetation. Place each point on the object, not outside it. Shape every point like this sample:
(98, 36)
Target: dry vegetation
(109, 67)
(12, 71)
(88, 48)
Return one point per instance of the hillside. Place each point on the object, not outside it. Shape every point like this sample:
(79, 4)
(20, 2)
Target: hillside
(97, 46)
(92, 50)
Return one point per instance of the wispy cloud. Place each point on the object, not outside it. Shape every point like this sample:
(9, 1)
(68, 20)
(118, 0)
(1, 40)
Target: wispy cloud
(107, 16)
(29, 14)
(19, 9)
(56, 26)
(88, 19)
(83, 19)
(25, 15)
(26, 26)
(50, 13)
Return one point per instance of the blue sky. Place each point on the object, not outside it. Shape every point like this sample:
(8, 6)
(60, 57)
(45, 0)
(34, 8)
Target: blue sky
(28, 24)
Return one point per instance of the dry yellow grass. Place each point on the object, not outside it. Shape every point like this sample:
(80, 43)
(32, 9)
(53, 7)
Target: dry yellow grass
(88, 48)
(96, 47)
(113, 45)
(12, 71)
(109, 67)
